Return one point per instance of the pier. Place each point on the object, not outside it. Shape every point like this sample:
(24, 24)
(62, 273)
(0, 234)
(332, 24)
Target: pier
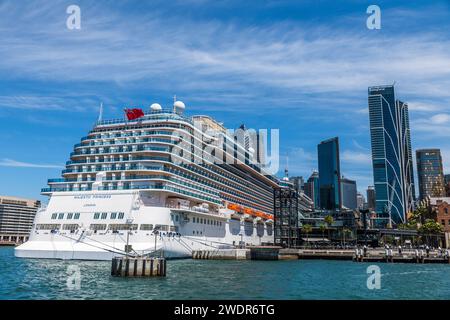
(278, 253)
(138, 267)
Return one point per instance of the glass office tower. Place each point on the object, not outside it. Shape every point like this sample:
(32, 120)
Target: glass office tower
(329, 175)
(312, 189)
(391, 154)
(431, 173)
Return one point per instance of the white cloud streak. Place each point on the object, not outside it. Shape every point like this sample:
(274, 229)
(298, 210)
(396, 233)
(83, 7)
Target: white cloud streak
(5, 162)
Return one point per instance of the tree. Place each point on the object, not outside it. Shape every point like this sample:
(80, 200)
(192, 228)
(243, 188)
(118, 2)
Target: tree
(323, 228)
(430, 227)
(344, 232)
(329, 221)
(307, 228)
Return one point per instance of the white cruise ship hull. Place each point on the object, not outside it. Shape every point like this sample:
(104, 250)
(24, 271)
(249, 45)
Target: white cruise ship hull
(97, 237)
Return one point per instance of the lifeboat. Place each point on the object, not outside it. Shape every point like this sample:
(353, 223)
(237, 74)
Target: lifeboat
(235, 207)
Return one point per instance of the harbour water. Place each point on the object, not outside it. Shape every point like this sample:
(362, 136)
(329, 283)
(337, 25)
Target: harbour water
(210, 279)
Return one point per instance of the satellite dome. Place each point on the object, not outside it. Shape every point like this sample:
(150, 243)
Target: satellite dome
(155, 107)
(285, 179)
(179, 105)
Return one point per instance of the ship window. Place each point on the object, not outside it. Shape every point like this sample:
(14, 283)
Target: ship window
(104, 215)
(77, 216)
(69, 216)
(115, 227)
(193, 232)
(176, 218)
(146, 226)
(121, 214)
(96, 227)
(96, 215)
(71, 227)
(113, 215)
(61, 216)
(54, 216)
(48, 226)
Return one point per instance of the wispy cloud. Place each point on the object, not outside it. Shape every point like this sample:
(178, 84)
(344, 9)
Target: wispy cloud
(164, 51)
(356, 157)
(5, 162)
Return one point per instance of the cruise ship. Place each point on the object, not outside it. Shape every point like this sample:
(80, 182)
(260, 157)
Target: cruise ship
(159, 183)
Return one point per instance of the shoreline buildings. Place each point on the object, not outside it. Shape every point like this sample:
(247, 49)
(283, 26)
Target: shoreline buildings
(371, 201)
(391, 155)
(329, 174)
(16, 218)
(349, 194)
(430, 173)
(312, 189)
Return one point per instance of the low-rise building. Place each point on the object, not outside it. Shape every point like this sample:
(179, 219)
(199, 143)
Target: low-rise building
(16, 218)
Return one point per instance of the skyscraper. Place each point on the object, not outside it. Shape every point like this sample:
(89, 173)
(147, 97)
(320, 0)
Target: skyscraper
(329, 174)
(371, 203)
(447, 184)
(349, 193)
(391, 154)
(430, 172)
(312, 189)
(299, 183)
(361, 201)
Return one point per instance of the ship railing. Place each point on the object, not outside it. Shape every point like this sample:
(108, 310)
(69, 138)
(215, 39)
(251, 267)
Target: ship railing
(149, 115)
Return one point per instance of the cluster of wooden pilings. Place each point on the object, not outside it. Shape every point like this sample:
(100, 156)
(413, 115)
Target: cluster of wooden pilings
(138, 267)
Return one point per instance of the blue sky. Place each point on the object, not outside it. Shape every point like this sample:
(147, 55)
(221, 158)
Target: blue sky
(302, 67)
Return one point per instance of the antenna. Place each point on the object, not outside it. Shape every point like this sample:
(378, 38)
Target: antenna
(100, 114)
(174, 100)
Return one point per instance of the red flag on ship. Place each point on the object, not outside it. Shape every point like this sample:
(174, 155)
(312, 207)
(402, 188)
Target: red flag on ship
(134, 113)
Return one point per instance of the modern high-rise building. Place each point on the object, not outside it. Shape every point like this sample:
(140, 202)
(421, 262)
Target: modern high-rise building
(430, 173)
(349, 194)
(16, 218)
(371, 203)
(391, 154)
(299, 183)
(361, 201)
(329, 174)
(447, 184)
(312, 189)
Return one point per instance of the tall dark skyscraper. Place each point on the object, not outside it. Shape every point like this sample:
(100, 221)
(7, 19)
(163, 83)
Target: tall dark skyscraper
(391, 154)
(329, 174)
(371, 202)
(447, 184)
(430, 172)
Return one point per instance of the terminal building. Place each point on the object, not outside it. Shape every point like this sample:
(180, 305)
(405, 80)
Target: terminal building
(16, 219)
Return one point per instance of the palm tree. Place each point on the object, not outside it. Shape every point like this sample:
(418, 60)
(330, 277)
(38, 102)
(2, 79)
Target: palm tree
(307, 228)
(329, 221)
(344, 232)
(323, 228)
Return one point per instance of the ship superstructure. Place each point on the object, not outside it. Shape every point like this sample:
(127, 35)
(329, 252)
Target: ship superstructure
(162, 182)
